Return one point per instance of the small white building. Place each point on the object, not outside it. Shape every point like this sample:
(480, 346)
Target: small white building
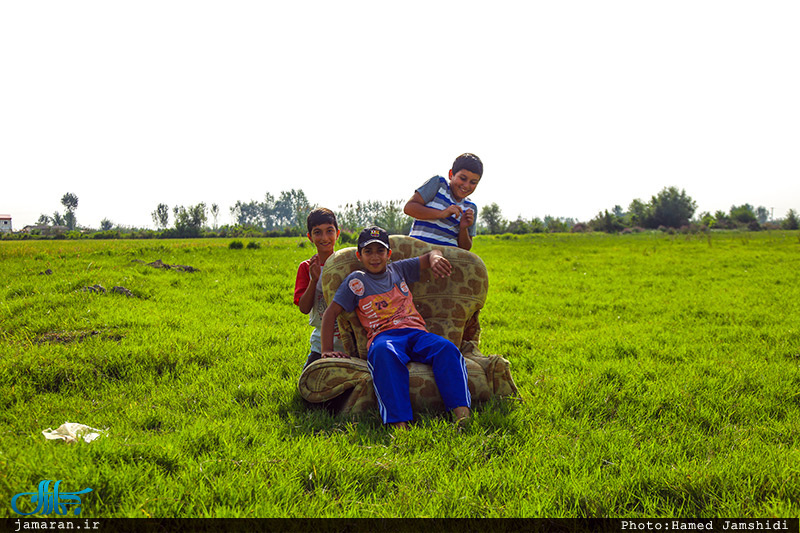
(5, 223)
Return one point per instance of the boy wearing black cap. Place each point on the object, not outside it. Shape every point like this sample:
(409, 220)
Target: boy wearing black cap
(396, 331)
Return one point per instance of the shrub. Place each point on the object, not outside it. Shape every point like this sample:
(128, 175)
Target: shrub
(107, 234)
(634, 229)
(743, 214)
(144, 234)
(231, 231)
(235, 245)
(790, 222)
(253, 245)
(580, 227)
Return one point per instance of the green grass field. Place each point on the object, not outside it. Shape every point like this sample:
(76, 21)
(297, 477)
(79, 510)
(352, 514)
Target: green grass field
(659, 377)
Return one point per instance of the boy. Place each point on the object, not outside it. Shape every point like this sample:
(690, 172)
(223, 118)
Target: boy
(443, 214)
(396, 331)
(323, 231)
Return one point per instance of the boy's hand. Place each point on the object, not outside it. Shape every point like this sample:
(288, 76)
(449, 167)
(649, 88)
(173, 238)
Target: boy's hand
(467, 219)
(314, 268)
(336, 355)
(451, 210)
(440, 266)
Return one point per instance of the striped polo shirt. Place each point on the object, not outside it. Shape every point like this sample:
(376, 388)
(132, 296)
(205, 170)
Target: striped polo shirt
(436, 194)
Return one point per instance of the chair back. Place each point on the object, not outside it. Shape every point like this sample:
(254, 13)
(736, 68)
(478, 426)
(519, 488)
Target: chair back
(450, 306)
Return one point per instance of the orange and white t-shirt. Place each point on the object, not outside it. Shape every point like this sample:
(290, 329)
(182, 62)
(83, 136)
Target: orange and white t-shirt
(382, 301)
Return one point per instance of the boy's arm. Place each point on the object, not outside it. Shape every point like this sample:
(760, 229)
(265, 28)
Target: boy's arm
(441, 267)
(306, 301)
(464, 238)
(328, 322)
(416, 208)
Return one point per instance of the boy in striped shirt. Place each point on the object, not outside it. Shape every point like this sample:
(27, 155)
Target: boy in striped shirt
(443, 214)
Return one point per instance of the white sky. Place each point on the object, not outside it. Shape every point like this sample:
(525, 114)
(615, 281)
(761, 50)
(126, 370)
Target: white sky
(574, 106)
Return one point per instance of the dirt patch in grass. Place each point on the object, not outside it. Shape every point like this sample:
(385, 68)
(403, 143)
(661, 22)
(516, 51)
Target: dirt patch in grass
(68, 337)
(158, 263)
(99, 289)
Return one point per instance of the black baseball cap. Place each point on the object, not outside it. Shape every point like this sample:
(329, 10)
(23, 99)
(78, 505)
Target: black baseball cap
(373, 234)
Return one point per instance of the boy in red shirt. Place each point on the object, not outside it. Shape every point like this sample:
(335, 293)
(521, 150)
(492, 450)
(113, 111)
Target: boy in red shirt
(323, 231)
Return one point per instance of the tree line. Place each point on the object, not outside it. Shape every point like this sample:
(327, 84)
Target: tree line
(285, 215)
(670, 209)
(281, 216)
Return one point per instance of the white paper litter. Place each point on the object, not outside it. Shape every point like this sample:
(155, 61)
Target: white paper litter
(71, 432)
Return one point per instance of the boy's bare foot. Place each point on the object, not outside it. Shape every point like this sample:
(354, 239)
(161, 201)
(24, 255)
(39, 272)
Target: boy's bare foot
(462, 415)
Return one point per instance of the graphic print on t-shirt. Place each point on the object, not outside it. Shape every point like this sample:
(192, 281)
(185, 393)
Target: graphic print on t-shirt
(357, 287)
(390, 310)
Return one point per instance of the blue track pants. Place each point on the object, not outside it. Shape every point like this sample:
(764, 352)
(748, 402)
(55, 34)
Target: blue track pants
(388, 356)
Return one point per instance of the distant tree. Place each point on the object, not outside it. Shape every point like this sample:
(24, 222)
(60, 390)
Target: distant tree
(70, 203)
(558, 225)
(669, 208)
(260, 215)
(492, 216)
(44, 220)
(354, 217)
(70, 220)
(790, 222)
(247, 214)
(641, 214)
(519, 226)
(607, 222)
(189, 222)
(722, 220)
(266, 210)
(707, 219)
(161, 216)
(743, 214)
(291, 209)
(392, 218)
(197, 215)
(672, 208)
(762, 214)
(536, 225)
(106, 224)
(58, 219)
(215, 214)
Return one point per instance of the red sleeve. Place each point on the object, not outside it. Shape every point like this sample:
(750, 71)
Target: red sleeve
(302, 281)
